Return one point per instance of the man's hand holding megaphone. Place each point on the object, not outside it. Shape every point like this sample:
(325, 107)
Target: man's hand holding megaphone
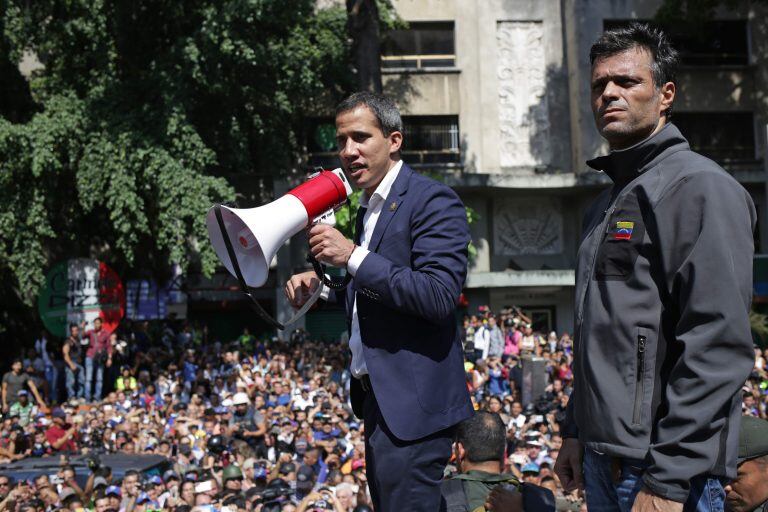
(328, 246)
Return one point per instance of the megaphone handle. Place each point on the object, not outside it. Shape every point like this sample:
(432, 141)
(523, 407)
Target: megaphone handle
(239, 275)
(330, 283)
(311, 302)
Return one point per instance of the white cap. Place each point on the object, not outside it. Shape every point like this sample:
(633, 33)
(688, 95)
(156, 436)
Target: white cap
(240, 398)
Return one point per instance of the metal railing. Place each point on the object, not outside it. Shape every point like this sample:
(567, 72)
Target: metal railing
(417, 61)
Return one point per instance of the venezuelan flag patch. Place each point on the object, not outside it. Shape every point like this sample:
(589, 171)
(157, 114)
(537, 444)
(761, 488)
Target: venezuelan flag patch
(623, 230)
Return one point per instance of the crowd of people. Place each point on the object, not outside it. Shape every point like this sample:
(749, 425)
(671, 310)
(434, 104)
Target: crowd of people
(252, 424)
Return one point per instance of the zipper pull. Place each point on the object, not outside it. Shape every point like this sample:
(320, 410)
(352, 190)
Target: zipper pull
(640, 356)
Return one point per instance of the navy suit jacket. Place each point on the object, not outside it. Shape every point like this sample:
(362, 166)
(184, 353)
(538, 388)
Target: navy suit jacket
(407, 291)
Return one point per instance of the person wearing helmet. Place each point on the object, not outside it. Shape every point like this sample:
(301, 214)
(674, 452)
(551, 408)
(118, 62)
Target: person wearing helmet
(216, 444)
(247, 423)
(232, 478)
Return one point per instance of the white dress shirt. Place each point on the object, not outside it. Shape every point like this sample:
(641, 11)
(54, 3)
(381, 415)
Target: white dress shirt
(373, 207)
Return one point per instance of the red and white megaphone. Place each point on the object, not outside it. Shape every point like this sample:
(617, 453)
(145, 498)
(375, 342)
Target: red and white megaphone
(255, 234)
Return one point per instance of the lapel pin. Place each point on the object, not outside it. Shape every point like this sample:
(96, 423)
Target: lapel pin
(393, 207)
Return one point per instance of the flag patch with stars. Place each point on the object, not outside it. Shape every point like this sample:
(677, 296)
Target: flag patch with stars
(623, 230)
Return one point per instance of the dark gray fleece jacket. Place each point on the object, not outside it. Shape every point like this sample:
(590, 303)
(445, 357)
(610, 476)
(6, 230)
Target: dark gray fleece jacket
(663, 291)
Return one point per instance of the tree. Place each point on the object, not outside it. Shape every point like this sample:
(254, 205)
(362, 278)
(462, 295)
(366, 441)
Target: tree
(143, 115)
(367, 21)
(363, 27)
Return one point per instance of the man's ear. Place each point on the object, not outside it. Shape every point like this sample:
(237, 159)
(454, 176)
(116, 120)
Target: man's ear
(667, 93)
(461, 453)
(395, 141)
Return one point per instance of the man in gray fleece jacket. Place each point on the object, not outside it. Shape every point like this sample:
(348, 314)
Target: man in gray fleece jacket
(663, 291)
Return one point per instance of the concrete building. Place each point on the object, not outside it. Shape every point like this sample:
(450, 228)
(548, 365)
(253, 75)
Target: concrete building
(495, 95)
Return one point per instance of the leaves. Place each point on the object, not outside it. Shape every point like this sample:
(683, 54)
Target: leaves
(142, 114)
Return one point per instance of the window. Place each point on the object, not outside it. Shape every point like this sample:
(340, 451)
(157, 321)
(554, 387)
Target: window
(422, 45)
(715, 43)
(722, 136)
(542, 318)
(431, 140)
(427, 140)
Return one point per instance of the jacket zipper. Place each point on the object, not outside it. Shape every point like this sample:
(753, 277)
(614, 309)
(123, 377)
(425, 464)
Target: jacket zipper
(639, 384)
(603, 227)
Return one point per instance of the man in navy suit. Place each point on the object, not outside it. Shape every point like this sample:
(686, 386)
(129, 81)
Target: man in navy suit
(409, 263)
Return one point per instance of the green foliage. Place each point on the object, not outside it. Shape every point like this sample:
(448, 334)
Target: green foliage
(345, 217)
(388, 16)
(140, 112)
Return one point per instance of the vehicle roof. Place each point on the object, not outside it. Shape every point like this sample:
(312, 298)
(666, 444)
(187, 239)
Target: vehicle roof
(120, 463)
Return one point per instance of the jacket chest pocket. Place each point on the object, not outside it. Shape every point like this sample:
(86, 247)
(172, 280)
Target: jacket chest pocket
(622, 242)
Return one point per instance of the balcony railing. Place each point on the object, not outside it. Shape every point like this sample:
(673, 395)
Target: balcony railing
(427, 158)
(417, 61)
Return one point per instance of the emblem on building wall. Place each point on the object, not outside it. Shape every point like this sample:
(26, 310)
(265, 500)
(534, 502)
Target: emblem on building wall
(527, 227)
(523, 108)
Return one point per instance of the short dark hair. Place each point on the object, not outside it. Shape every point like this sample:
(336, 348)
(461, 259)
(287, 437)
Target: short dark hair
(383, 108)
(664, 58)
(483, 436)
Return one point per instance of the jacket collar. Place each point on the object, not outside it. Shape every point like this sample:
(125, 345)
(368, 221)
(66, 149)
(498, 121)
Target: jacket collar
(623, 165)
(390, 206)
(400, 186)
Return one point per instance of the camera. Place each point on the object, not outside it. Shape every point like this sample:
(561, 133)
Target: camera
(272, 498)
(93, 462)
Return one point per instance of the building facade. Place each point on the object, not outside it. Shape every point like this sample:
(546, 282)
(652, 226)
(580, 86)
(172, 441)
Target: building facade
(495, 97)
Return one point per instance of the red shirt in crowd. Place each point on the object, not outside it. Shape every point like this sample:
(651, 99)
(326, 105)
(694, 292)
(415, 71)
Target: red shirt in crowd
(98, 341)
(54, 433)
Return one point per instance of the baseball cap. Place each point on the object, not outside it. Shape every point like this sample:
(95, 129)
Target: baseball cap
(300, 446)
(305, 479)
(66, 493)
(143, 498)
(58, 412)
(156, 480)
(287, 467)
(99, 481)
(531, 468)
(113, 490)
(22, 392)
(170, 475)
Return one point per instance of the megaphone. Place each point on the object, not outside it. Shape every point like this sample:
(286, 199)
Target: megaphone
(256, 234)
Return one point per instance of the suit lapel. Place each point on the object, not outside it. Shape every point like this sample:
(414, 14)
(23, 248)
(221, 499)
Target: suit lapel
(392, 204)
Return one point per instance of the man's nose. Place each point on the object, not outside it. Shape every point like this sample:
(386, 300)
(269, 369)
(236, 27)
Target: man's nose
(349, 150)
(610, 92)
